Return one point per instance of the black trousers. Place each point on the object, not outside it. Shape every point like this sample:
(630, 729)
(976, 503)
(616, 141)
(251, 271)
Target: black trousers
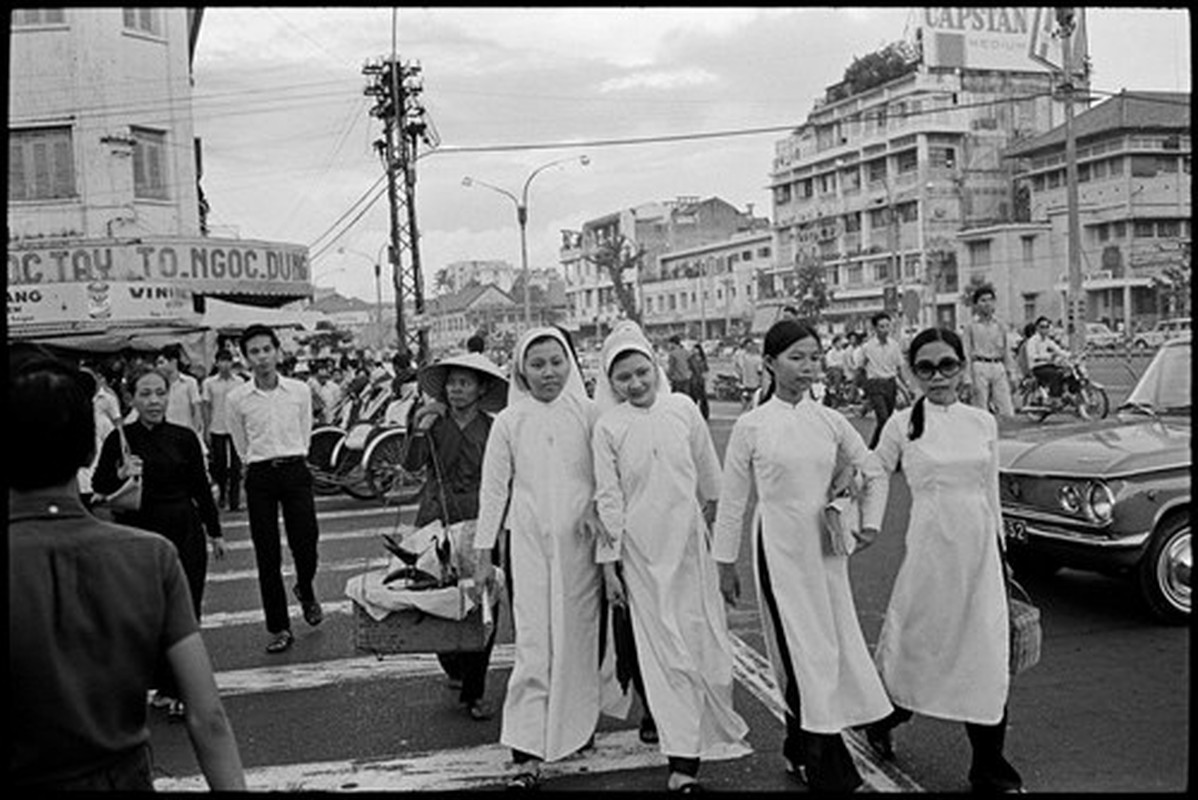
(698, 393)
(825, 757)
(989, 770)
(470, 669)
(1054, 376)
(226, 469)
(269, 487)
(880, 395)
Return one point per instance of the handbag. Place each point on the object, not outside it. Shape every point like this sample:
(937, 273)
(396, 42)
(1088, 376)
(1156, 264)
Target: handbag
(840, 522)
(1026, 634)
(127, 497)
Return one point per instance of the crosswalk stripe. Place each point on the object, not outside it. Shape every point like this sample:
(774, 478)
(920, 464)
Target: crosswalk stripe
(752, 671)
(443, 770)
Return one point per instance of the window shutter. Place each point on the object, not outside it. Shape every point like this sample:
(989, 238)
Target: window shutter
(16, 171)
(41, 170)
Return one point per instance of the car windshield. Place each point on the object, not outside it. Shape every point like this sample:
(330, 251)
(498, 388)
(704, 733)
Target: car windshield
(1165, 385)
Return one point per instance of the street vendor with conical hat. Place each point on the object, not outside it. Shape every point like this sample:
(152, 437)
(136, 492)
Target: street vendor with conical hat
(448, 440)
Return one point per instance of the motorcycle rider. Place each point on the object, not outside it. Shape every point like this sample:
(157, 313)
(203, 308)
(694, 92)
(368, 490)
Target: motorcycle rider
(1044, 356)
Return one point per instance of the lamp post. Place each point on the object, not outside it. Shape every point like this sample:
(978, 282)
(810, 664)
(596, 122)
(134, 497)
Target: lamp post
(521, 204)
(378, 288)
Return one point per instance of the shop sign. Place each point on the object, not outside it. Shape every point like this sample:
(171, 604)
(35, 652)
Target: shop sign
(98, 301)
(204, 265)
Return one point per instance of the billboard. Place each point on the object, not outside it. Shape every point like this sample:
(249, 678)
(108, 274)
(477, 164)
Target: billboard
(1004, 38)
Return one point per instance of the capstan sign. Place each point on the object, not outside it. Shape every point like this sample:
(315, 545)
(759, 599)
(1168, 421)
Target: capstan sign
(1006, 38)
(227, 266)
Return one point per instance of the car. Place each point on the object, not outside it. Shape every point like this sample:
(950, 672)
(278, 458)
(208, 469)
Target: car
(1163, 331)
(1100, 336)
(1110, 496)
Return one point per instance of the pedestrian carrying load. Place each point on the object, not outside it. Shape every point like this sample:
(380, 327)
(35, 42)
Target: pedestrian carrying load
(494, 397)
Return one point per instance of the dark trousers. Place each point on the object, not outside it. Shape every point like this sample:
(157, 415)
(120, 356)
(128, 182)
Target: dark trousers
(267, 488)
(989, 770)
(226, 469)
(698, 393)
(1054, 376)
(880, 396)
(825, 757)
(470, 669)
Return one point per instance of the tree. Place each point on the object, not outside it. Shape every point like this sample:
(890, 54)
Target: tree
(444, 281)
(873, 69)
(1176, 287)
(616, 256)
(811, 287)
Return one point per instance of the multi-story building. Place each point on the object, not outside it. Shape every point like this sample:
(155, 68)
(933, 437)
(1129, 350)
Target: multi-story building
(454, 318)
(709, 291)
(875, 187)
(1134, 210)
(106, 215)
(657, 228)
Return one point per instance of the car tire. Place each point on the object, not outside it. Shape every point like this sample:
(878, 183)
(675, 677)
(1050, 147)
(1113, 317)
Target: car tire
(1164, 572)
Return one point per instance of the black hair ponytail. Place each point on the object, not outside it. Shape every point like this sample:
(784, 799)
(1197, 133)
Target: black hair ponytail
(915, 424)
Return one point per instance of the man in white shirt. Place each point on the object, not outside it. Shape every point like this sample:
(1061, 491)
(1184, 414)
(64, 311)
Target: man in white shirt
(1042, 354)
(989, 364)
(184, 406)
(327, 390)
(226, 466)
(882, 359)
(270, 420)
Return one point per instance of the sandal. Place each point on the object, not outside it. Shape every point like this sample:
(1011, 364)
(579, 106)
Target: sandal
(177, 712)
(686, 787)
(479, 711)
(524, 780)
(796, 771)
(281, 641)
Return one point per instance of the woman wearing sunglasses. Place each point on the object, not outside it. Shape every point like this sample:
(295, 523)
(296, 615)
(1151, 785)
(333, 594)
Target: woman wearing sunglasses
(943, 650)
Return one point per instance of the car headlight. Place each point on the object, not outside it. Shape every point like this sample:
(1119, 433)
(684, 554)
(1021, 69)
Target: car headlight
(1101, 501)
(1069, 498)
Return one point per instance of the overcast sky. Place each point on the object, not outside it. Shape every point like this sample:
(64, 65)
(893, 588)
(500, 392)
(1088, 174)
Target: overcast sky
(287, 135)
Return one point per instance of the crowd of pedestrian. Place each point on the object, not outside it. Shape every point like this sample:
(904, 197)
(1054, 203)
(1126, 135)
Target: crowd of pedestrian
(611, 518)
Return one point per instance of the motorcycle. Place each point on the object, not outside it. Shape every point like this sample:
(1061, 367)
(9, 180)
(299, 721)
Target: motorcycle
(726, 387)
(1089, 400)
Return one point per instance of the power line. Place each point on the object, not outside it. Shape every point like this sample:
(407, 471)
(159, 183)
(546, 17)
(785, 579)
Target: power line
(349, 210)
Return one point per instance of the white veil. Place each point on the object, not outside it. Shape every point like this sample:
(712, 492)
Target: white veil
(627, 335)
(518, 386)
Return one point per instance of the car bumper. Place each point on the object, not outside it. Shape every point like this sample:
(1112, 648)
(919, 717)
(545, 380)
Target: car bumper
(1085, 549)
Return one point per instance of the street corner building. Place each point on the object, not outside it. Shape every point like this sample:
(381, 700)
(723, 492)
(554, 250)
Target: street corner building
(108, 237)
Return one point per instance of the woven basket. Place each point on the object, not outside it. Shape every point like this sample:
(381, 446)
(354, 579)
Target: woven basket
(1025, 631)
(413, 631)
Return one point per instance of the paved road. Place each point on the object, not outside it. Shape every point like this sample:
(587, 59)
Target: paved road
(1106, 710)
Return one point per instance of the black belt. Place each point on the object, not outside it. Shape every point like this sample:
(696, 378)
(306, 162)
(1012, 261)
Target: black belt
(988, 360)
(281, 461)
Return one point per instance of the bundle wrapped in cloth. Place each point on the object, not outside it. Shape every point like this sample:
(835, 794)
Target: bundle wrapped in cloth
(424, 600)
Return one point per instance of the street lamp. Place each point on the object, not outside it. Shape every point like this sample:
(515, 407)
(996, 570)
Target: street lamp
(521, 204)
(378, 288)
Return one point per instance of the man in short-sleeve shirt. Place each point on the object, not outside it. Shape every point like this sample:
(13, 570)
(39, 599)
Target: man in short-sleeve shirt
(882, 359)
(270, 420)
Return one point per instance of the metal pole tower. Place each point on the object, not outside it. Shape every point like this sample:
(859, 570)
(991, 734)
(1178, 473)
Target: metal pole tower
(1075, 313)
(396, 87)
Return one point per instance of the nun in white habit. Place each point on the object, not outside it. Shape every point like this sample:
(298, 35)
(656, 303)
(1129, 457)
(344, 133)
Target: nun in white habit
(657, 473)
(789, 447)
(538, 467)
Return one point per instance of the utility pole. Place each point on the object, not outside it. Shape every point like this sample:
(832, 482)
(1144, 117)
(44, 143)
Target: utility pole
(397, 87)
(1067, 20)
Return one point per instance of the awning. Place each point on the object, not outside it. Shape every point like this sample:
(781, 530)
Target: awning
(233, 318)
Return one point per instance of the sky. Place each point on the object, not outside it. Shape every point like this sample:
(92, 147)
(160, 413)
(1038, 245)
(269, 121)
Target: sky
(287, 135)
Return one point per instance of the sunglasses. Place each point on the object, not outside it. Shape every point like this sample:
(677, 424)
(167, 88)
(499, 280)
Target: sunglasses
(948, 367)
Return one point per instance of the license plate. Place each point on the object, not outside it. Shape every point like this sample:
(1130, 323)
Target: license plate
(1014, 529)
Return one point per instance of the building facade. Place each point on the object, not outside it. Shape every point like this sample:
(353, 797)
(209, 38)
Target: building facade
(106, 215)
(875, 186)
(658, 229)
(1134, 208)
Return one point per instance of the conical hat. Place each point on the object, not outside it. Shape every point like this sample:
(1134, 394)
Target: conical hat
(494, 398)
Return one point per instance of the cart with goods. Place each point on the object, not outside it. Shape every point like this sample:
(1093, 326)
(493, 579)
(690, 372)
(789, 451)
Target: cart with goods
(425, 600)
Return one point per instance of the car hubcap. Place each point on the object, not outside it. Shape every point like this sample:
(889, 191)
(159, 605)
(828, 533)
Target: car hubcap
(1173, 571)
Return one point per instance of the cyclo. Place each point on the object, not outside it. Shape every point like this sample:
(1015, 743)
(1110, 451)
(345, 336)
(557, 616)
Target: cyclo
(362, 452)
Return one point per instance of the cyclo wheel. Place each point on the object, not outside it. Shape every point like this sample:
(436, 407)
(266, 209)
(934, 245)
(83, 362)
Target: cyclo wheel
(320, 453)
(351, 478)
(385, 471)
